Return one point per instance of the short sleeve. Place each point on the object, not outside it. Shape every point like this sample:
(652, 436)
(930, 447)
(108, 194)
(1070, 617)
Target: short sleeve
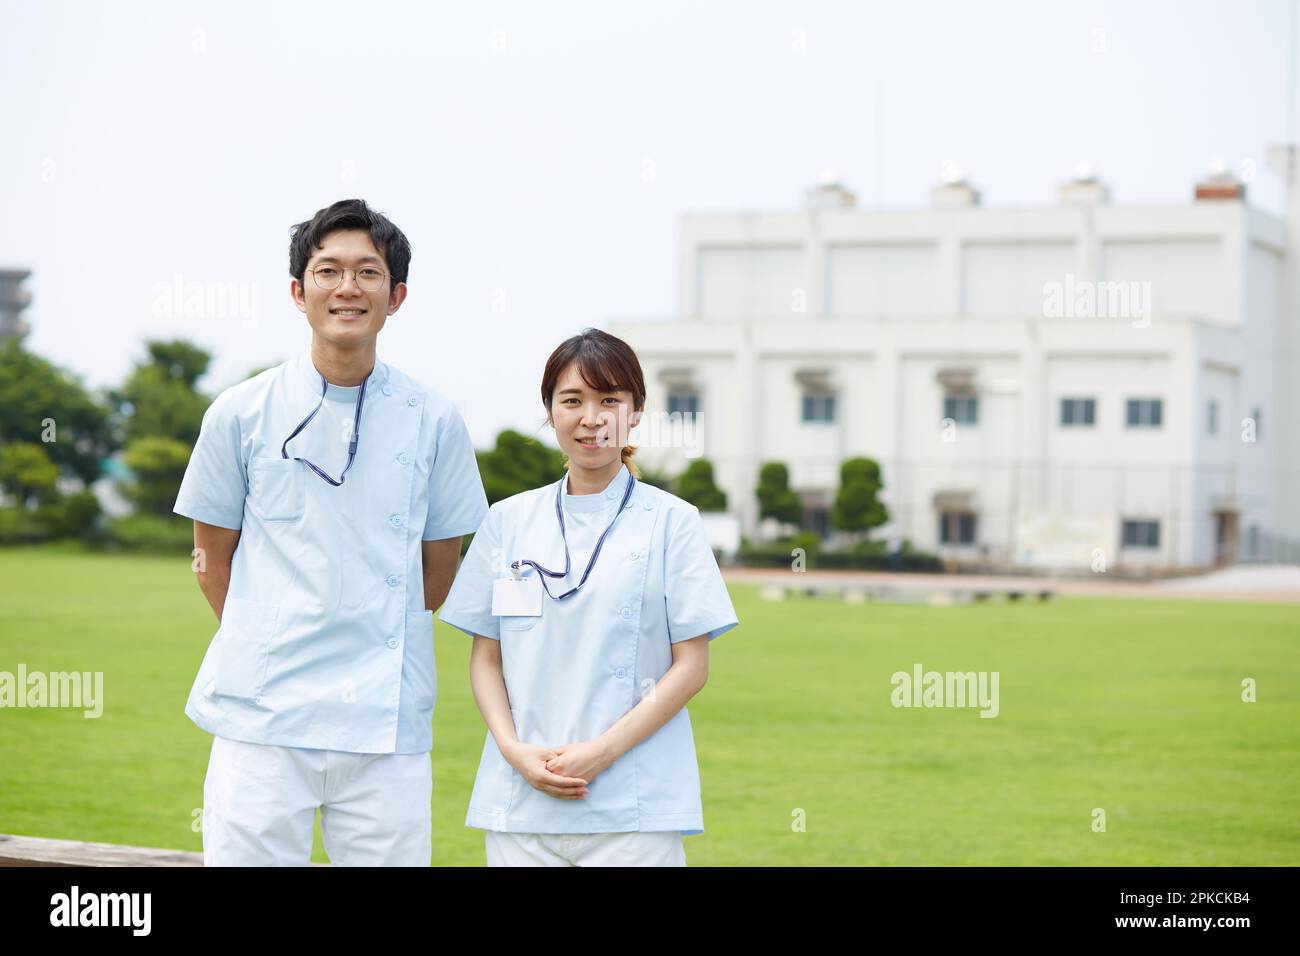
(216, 478)
(457, 503)
(469, 603)
(695, 595)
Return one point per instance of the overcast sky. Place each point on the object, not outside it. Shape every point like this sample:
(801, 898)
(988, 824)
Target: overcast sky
(151, 143)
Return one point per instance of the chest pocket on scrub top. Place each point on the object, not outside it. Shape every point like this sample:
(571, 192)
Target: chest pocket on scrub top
(511, 622)
(276, 488)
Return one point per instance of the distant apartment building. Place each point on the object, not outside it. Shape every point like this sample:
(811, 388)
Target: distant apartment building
(1044, 387)
(13, 299)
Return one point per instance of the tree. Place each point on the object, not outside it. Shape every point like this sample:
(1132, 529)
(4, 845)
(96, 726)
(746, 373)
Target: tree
(159, 398)
(517, 463)
(158, 465)
(26, 472)
(775, 499)
(42, 403)
(179, 360)
(856, 507)
(696, 485)
(72, 516)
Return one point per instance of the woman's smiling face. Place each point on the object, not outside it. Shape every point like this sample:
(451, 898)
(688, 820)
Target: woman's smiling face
(591, 426)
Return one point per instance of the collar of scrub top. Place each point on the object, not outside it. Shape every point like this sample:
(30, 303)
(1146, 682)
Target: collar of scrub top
(356, 423)
(559, 514)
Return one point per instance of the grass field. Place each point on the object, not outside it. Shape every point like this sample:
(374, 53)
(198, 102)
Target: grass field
(1132, 706)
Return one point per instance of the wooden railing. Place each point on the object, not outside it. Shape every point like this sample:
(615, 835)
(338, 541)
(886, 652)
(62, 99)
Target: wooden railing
(38, 851)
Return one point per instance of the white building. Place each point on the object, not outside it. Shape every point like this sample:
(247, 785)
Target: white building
(1043, 387)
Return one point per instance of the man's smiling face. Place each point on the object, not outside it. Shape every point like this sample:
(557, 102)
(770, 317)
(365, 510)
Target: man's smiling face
(348, 316)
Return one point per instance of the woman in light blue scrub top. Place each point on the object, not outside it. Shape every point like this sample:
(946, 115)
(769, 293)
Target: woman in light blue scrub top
(592, 601)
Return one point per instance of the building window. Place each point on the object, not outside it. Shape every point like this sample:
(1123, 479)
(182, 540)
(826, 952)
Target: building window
(818, 407)
(818, 520)
(957, 527)
(962, 409)
(1141, 534)
(684, 403)
(1212, 418)
(1078, 411)
(1143, 413)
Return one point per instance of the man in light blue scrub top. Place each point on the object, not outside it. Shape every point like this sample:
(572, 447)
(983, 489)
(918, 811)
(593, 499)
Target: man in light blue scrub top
(329, 496)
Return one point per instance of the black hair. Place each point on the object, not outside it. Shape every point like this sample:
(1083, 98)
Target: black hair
(606, 363)
(349, 214)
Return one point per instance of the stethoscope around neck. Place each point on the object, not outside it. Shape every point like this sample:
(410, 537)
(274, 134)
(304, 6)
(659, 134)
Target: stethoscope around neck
(352, 444)
(559, 515)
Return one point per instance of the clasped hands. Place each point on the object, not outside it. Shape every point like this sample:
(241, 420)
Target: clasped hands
(564, 772)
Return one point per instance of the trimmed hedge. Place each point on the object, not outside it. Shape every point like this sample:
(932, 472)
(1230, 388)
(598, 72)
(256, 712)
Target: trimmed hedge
(865, 556)
(151, 534)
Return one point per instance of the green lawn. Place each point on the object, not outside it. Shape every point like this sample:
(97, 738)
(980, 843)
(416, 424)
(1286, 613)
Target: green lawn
(1131, 706)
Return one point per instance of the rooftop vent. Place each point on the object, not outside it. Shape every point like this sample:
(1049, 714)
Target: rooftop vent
(1085, 189)
(1220, 184)
(830, 193)
(953, 189)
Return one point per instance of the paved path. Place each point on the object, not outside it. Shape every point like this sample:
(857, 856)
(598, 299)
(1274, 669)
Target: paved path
(1242, 583)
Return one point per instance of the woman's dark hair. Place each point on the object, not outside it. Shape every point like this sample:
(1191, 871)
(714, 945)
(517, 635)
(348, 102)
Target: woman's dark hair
(349, 214)
(606, 363)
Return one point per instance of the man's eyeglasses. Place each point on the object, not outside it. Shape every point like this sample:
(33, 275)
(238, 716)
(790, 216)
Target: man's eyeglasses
(331, 277)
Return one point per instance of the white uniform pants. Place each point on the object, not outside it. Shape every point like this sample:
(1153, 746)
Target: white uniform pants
(635, 848)
(259, 806)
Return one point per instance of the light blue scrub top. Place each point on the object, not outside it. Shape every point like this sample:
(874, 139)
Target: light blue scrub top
(325, 641)
(584, 662)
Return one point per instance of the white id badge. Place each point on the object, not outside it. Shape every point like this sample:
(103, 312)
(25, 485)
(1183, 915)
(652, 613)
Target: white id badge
(517, 597)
